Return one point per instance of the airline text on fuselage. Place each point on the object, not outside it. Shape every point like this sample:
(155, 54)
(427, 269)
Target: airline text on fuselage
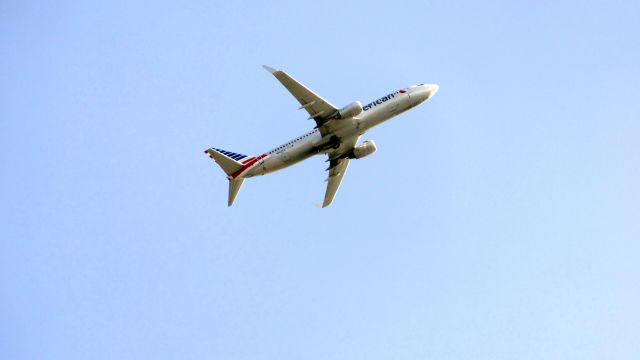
(379, 101)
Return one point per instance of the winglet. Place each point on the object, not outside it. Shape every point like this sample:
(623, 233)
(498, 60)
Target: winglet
(269, 69)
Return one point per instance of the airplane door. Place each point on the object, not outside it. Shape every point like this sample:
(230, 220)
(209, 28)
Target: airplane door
(393, 106)
(284, 155)
(401, 102)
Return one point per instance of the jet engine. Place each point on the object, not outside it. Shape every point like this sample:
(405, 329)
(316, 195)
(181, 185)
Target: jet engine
(367, 148)
(349, 111)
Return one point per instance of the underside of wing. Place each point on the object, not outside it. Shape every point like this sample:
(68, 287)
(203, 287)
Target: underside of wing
(337, 169)
(318, 108)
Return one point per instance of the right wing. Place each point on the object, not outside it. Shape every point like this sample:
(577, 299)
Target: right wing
(338, 163)
(318, 108)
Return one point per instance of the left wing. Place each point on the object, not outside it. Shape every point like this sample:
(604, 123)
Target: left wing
(318, 108)
(337, 169)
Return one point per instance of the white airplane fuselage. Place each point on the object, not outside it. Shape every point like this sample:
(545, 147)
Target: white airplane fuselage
(313, 143)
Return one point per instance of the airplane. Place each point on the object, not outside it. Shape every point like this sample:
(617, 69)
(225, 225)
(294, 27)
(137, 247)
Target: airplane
(336, 134)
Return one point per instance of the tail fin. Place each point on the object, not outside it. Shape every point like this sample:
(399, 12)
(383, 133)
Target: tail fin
(234, 187)
(228, 161)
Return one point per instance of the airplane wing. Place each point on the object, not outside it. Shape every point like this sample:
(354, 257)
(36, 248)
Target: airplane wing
(337, 169)
(318, 108)
(338, 163)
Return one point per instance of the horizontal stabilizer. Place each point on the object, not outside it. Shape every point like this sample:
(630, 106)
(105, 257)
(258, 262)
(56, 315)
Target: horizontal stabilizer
(234, 187)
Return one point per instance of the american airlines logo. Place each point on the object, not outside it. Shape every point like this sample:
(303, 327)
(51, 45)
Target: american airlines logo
(379, 101)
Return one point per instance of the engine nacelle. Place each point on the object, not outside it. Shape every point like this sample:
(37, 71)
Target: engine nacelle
(351, 110)
(367, 148)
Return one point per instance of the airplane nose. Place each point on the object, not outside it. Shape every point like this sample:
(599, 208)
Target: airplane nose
(432, 89)
(424, 93)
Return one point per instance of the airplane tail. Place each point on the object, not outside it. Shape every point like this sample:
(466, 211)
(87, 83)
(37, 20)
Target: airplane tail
(230, 163)
(234, 188)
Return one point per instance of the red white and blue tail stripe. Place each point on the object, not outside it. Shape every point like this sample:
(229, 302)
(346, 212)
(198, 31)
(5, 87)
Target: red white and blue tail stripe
(233, 164)
(234, 156)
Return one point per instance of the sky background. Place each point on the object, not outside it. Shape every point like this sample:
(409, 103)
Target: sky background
(499, 220)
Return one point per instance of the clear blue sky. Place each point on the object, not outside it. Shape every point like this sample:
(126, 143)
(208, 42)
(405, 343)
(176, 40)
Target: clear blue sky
(499, 220)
